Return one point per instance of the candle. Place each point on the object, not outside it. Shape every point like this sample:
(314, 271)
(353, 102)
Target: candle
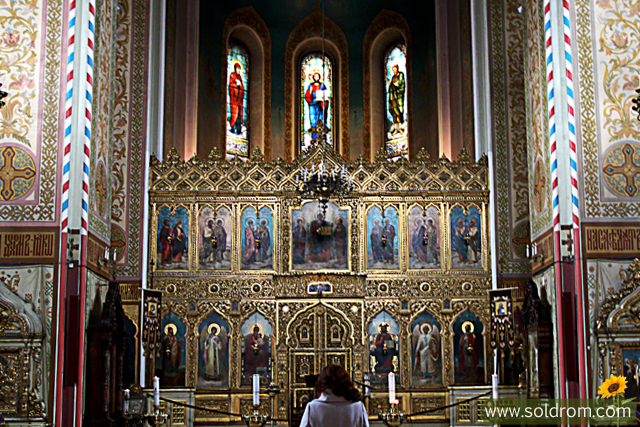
(114, 254)
(256, 389)
(494, 386)
(156, 391)
(392, 388)
(528, 252)
(106, 252)
(126, 400)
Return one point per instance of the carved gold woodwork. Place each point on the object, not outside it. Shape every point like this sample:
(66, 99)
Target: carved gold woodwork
(311, 330)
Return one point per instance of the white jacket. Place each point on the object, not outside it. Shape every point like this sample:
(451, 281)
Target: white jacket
(330, 410)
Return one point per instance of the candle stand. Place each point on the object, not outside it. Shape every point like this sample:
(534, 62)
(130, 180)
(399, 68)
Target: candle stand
(394, 417)
(134, 403)
(255, 419)
(273, 390)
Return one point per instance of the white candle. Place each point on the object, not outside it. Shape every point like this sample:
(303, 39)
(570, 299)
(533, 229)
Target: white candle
(256, 389)
(106, 252)
(494, 386)
(156, 391)
(392, 388)
(114, 254)
(126, 400)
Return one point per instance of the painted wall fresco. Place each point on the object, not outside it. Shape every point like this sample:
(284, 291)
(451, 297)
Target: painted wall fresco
(424, 238)
(320, 243)
(512, 207)
(426, 350)
(257, 341)
(214, 239)
(537, 127)
(172, 362)
(213, 355)
(28, 126)
(468, 347)
(608, 73)
(382, 239)
(384, 348)
(128, 118)
(102, 116)
(631, 372)
(173, 239)
(466, 238)
(257, 239)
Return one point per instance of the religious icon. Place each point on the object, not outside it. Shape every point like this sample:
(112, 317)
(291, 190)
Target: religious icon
(256, 347)
(335, 334)
(304, 370)
(215, 239)
(382, 245)
(424, 235)
(304, 334)
(320, 243)
(257, 245)
(384, 347)
(172, 365)
(501, 308)
(465, 238)
(153, 309)
(213, 369)
(426, 354)
(468, 349)
(173, 239)
(631, 371)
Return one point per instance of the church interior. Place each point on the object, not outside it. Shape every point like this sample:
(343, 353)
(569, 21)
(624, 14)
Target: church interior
(202, 204)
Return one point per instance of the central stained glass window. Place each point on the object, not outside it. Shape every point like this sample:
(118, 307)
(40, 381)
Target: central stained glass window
(316, 101)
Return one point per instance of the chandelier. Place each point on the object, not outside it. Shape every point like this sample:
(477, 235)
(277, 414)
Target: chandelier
(322, 184)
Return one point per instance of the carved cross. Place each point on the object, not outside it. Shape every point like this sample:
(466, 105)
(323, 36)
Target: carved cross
(9, 173)
(629, 170)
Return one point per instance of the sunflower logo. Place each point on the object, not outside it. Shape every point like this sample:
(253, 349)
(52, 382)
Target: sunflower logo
(613, 386)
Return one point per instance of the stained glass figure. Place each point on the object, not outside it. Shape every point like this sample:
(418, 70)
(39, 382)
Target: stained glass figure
(237, 102)
(316, 102)
(396, 120)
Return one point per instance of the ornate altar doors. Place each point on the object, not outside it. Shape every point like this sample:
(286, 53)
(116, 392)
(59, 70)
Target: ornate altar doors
(318, 334)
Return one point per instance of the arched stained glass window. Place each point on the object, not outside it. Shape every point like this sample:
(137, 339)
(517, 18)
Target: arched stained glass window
(316, 101)
(396, 121)
(237, 101)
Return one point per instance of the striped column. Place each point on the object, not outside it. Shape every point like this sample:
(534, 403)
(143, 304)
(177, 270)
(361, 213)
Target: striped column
(557, 256)
(64, 213)
(85, 204)
(575, 198)
(68, 109)
(87, 128)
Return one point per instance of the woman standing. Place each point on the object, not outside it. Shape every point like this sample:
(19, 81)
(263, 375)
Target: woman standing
(339, 403)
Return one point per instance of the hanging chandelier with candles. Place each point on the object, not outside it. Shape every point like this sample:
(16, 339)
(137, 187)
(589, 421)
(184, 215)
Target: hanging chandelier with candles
(324, 182)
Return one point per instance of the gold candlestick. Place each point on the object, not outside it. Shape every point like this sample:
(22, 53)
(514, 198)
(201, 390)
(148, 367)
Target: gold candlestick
(394, 417)
(255, 419)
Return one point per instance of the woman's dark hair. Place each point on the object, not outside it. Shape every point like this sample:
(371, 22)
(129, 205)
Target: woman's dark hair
(335, 378)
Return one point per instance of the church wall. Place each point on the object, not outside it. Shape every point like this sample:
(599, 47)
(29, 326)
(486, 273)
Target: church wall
(537, 125)
(607, 50)
(508, 32)
(128, 138)
(353, 19)
(29, 125)
(102, 131)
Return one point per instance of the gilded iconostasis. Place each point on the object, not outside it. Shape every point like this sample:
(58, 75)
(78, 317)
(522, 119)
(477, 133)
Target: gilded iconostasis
(391, 277)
